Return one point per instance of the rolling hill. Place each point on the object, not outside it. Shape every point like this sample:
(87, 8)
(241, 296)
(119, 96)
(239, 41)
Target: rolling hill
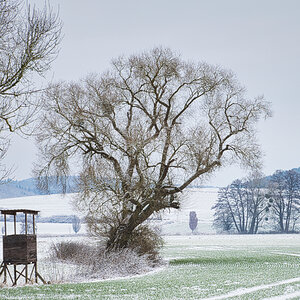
(28, 187)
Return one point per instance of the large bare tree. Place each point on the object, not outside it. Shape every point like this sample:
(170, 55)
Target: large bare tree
(29, 40)
(143, 132)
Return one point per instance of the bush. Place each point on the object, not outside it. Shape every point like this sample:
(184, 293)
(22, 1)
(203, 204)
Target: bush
(70, 251)
(74, 261)
(143, 240)
(146, 241)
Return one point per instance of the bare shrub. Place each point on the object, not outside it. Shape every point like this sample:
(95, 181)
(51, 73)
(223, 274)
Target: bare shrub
(121, 263)
(74, 261)
(69, 251)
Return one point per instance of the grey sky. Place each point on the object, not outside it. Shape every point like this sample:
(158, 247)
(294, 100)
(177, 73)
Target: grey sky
(258, 39)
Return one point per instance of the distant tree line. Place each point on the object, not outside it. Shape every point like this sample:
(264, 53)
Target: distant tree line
(257, 203)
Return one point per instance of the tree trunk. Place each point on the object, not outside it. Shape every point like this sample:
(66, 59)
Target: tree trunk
(253, 224)
(120, 238)
(282, 229)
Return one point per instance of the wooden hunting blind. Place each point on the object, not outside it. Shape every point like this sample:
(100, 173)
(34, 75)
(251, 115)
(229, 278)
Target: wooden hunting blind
(20, 249)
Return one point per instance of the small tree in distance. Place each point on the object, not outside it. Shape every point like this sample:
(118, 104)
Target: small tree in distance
(76, 224)
(143, 132)
(193, 222)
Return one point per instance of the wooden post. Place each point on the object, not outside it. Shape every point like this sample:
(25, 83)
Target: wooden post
(5, 229)
(36, 273)
(15, 274)
(26, 273)
(33, 223)
(4, 281)
(15, 224)
(26, 224)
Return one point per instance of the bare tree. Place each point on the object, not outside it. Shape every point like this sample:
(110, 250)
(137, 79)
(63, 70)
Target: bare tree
(143, 132)
(223, 220)
(29, 41)
(284, 191)
(242, 206)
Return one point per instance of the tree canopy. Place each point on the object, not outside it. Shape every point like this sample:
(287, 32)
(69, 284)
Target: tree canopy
(142, 132)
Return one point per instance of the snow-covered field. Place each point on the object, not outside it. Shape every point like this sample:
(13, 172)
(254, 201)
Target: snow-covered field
(173, 222)
(200, 267)
(203, 266)
(176, 222)
(48, 205)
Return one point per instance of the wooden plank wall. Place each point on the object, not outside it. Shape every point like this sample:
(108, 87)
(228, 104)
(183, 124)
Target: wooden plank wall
(19, 248)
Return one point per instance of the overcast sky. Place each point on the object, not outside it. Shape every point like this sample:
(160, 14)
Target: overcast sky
(259, 40)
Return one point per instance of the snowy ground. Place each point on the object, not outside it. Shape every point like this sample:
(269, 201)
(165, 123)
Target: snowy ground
(173, 222)
(48, 205)
(200, 267)
(176, 222)
(203, 266)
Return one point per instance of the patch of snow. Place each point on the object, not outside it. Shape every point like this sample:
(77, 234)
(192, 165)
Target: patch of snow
(243, 291)
(290, 254)
(48, 205)
(285, 296)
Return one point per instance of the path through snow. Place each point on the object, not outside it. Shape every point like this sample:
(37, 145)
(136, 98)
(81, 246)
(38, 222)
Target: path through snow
(285, 296)
(290, 254)
(243, 291)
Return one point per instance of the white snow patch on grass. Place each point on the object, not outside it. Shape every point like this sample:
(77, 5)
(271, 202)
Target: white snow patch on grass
(244, 291)
(290, 254)
(285, 296)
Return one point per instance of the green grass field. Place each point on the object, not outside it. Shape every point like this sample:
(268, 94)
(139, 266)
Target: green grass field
(200, 267)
